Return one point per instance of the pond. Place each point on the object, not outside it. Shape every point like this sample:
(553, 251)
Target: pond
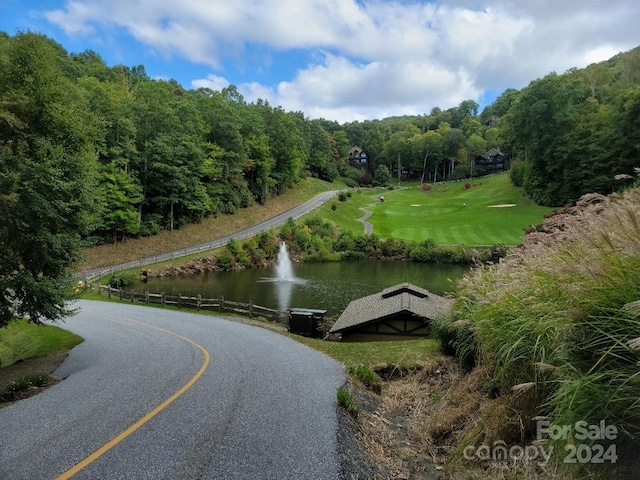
(329, 286)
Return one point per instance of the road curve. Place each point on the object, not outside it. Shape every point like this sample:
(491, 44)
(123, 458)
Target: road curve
(262, 407)
(273, 222)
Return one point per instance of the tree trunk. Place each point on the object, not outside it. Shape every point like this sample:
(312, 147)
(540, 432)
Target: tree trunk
(424, 168)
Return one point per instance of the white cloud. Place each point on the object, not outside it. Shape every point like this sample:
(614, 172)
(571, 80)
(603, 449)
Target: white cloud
(368, 57)
(342, 90)
(212, 81)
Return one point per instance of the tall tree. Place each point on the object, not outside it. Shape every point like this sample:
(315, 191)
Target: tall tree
(320, 160)
(429, 148)
(119, 196)
(47, 165)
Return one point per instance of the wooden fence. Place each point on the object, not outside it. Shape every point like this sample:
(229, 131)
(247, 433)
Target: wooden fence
(212, 304)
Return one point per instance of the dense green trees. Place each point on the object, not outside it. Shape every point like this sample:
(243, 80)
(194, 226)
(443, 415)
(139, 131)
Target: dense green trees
(175, 156)
(101, 153)
(577, 131)
(47, 177)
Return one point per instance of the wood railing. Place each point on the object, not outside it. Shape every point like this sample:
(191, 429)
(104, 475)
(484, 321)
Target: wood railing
(211, 304)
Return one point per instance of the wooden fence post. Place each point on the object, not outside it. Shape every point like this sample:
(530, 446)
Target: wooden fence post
(109, 291)
(146, 296)
(221, 306)
(179, 300)
(199, 302)
(162, 298)
(250, 308)
(120, 292)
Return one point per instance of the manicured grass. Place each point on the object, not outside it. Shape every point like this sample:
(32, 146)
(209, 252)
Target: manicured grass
(406, 353)
(449, 214)
(347, 213)
(22, 340)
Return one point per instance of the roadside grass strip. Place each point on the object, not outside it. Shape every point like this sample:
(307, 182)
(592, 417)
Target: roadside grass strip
(22, 340)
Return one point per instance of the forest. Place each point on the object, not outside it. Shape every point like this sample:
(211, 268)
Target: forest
(154, 155)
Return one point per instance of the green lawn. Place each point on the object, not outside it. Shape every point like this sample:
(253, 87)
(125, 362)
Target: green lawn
(22, 340)
(405, 353)
(449, 214)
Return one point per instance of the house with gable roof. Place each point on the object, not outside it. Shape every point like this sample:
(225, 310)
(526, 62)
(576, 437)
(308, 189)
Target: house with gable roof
(403, 311)
(358, 158)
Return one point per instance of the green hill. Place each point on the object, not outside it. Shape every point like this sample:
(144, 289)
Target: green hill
(490, 211)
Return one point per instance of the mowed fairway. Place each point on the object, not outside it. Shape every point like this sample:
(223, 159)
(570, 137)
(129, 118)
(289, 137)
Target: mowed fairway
(451, 214)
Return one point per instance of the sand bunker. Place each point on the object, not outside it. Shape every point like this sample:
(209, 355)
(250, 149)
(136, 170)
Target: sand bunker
(502, 205)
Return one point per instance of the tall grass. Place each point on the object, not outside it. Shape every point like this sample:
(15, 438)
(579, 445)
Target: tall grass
(559, 317)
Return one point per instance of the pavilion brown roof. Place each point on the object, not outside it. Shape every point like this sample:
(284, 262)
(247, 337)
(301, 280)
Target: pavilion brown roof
(404, 297)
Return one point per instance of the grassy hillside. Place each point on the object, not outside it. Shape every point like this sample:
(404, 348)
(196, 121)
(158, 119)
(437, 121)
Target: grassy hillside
(448, 214)
(210, 228)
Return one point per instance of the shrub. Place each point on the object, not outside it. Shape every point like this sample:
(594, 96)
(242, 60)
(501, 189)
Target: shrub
(342, 196)
(225, 260)
(394, 248)
(519, 172)
(334, 206)
(351, 182)
(345, 400)
(421, 254)
(344, 242)
(351, 255)
(366, 179)
(381, 175)
(368, 377)
(426, 188)
(239, 254)
(122, 280)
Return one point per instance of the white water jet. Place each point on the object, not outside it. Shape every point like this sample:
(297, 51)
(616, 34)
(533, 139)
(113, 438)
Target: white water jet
(284, 268)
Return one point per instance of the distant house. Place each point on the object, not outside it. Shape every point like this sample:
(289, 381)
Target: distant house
(358, 157)
(400, 312)
(493, 161)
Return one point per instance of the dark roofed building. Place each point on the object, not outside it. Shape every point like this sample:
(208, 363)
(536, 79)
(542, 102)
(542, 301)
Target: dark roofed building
(493, 161)
(358, 157)
(400, 312)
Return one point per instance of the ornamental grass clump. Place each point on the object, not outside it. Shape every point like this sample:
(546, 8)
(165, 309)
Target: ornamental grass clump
(560, 315)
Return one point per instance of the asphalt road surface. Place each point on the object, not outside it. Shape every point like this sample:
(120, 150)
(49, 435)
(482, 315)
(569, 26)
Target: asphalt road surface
(158, 394)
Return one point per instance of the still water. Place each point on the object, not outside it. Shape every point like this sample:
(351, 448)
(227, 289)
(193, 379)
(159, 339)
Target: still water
(330, 286)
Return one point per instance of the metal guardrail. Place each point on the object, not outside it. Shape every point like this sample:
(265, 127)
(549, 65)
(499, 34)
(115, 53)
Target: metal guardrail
(273, 222)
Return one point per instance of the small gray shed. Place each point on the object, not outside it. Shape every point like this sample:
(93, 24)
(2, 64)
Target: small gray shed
(305, 321)
(403, 311)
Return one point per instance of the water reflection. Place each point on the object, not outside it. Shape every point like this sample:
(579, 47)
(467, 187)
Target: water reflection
(283, 290)
(329, 286)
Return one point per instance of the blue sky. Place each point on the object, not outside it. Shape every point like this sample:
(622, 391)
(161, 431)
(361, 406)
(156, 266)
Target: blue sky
(343, 60)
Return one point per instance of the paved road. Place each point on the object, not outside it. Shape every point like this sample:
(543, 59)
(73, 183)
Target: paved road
(368, 226)
(262, 407)
(273, 222)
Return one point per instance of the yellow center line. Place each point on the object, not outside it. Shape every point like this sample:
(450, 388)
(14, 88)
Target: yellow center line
(116, 440)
